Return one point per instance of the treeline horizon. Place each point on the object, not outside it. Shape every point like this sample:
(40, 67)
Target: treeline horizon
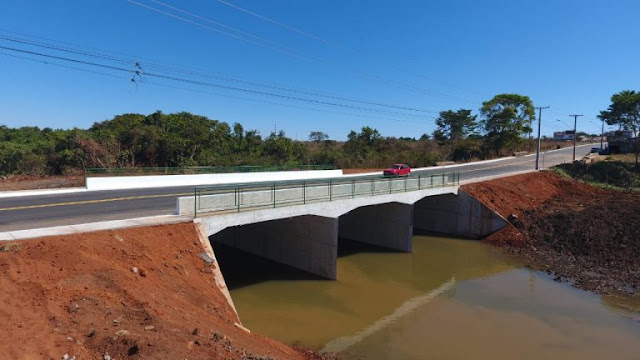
(185, 139)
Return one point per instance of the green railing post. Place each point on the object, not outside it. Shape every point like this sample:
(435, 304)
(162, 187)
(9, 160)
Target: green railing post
(419, 182)
(274, 195)
(405, 183)
(372, 186)
(353, 189)
(442, 179)
(195, 204)
(239, 191)
(389, 185)
(304, 192)
(431, 180)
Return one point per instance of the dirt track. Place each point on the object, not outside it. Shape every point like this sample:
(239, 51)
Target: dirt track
(584, 235)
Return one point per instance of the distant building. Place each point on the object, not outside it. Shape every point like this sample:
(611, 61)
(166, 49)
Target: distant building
(563, 135)
(620, 142)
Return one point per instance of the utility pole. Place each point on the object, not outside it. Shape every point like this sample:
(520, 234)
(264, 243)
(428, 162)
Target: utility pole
(539, 122)
(575, 134)
(602, 135)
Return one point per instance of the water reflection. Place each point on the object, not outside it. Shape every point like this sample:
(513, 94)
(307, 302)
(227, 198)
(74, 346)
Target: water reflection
(449, 299)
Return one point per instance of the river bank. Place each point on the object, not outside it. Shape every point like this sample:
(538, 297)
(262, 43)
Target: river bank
(582, 234)
(141, 293)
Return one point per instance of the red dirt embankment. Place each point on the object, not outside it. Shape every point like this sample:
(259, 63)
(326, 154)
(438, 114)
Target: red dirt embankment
(29, 182)
(583, 234)
(132, 294)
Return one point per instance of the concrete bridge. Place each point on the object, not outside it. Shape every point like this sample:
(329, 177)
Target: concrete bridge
(300, 223)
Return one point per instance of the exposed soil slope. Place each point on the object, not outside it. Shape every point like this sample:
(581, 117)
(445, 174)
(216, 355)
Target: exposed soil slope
(132, 294)
(29, 182)
(588, 235)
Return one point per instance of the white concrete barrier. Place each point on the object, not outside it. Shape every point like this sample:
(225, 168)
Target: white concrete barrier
(155, 181)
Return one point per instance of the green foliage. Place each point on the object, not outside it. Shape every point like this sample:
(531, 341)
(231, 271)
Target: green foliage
(506, 118)
(624, 111)
(611, 173)
(454, 126)
(318, 136)
(184, 139)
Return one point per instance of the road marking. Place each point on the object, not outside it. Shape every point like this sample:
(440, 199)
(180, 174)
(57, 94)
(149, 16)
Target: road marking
(26, 207)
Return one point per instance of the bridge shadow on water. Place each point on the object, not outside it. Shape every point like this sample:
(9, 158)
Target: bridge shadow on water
(242, 269)
(348, 247)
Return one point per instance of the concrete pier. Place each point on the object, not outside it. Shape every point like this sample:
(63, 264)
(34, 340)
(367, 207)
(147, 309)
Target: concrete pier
(308, 243)
(456, 215)
(386, 225)
(306, 236)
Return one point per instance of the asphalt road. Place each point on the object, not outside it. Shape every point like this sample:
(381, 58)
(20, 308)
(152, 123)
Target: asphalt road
(28, 212)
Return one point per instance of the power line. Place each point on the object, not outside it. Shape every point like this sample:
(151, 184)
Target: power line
(223, 78)
(575, 134)
(208, 92)
(290, 28)
(202, 83)
(72, 48)
(306, 57)
(212, 29)
(63, 66)
(539, 125)
(215, 23)
(314, 37)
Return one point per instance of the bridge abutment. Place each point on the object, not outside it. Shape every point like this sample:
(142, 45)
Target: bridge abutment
(308, 243)
(461, 216)
(387, 225)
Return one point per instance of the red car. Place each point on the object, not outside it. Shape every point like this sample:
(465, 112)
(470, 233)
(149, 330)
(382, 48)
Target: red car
(397, 170)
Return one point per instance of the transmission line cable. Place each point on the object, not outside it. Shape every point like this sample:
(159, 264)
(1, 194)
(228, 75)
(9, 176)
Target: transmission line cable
(207, 84)
(207, 92)
(224, 78)
(311, 58)
(314, 37)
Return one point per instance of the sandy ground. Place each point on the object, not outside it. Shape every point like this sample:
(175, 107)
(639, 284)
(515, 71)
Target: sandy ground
(585, 235)
(132, 294)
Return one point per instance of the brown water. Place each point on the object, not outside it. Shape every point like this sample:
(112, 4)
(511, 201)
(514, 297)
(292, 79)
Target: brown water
(449, 299)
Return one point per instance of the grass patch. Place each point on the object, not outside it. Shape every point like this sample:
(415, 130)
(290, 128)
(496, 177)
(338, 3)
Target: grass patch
(627, 158)
(10, 247)
(608, 174)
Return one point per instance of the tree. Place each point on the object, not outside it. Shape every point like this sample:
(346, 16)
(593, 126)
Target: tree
(454, 126)
(363, 145)
(318, 136)
(506, 118)
(624, 111)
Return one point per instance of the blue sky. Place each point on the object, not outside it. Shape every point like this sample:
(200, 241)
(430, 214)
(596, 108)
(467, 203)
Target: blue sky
(403, 60)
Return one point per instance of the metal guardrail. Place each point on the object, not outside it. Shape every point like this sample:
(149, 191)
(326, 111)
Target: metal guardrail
(193, 170)
(208, 199)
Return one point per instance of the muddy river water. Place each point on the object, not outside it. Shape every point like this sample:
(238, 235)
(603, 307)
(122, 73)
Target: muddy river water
(449, 299)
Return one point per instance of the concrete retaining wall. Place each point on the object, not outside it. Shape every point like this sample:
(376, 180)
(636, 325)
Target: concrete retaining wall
(218, 278)
(460, 215)
(385, 225)
(308, 243)
(152, 181)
